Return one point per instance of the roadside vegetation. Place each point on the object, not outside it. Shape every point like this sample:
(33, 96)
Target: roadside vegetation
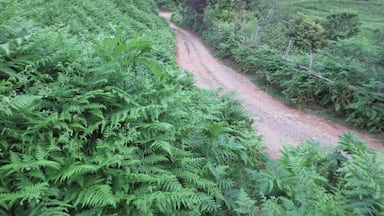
(327, 54)
(96, 119)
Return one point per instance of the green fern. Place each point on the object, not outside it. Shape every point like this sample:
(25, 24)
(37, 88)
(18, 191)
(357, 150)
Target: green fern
(96, 196)
(75, 169)
(96, 121)
(28, 192)
(51, 208)
(245, 204)
(364, 183)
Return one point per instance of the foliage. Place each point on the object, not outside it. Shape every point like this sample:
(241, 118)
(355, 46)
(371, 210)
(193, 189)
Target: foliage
(197, 5)
(223, 38)
(96, 121)
(345, 79)
(214, 15)
(305, 33)
(168, 4)
(309, 181)
(341, 25)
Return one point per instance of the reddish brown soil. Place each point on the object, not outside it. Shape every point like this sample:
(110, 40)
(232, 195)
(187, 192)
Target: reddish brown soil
(276, 122)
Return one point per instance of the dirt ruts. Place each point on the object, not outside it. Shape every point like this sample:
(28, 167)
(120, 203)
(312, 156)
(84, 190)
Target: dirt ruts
(276, 122)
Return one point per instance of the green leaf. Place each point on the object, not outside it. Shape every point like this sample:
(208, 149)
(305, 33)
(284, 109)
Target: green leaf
(5, 47)
(166, 146)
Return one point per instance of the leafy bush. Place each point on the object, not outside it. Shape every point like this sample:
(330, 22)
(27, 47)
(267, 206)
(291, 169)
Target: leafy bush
(305, 33)
(197, 5)
(351, 96)
(309, 181)
(342, 25)
(223, 38)
(214, 16)
(168, 4)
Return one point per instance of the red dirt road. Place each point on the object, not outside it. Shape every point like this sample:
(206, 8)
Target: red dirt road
(276, 122)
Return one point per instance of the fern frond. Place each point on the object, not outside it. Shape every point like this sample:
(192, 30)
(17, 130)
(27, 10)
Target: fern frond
(75, 169)
(349, 143)
(51, 207)
(153, 159)
(245, 204)
(166, 146)
(90, 212)
(364, 183)
(98, 195)
(23, 101)
(170, 184)
(27, 192)
(208, 204)
(19, 165)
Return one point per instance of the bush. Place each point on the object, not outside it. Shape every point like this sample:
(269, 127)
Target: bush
(215, 16)
(168, 4)
(310, 181)
(224, 39)
(342, 25)
(306, 34)
(197, 5)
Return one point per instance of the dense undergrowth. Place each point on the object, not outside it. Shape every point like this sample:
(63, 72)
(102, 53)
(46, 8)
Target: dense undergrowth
(96, 120)
(273, 40)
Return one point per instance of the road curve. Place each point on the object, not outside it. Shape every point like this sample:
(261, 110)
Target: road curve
(276, 122)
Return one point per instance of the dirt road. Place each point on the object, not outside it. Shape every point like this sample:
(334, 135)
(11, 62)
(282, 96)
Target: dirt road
(276, 122)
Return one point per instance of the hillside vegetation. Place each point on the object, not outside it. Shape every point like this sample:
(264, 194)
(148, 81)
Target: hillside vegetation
(97, 120)
(327, 54)
(370, 12)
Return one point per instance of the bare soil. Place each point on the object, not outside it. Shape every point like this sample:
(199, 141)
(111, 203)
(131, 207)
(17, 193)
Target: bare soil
(278, 123)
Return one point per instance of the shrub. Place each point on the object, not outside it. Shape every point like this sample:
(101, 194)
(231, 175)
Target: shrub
(341, 25)
(197, 5)
(168, 4)
(306, 34)
(310, 181)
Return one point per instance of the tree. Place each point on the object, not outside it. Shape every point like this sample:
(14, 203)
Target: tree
(342, 25)
(305, 33)
(168, 4)
(197, 5)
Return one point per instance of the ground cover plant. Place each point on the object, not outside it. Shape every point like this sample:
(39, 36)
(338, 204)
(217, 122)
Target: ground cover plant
(95, 119)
